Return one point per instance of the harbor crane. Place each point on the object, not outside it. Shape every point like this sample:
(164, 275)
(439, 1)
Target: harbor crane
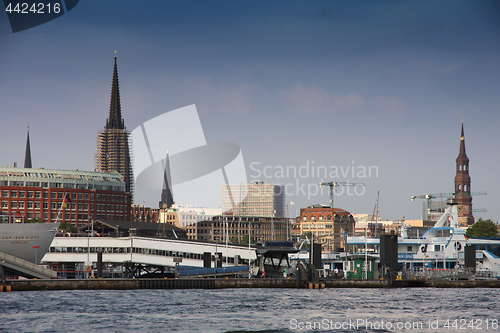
(431, 196)
(332, 185)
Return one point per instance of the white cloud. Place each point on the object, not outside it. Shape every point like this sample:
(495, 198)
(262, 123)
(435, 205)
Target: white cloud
(208, 95)
(390, 105)
(314, 100)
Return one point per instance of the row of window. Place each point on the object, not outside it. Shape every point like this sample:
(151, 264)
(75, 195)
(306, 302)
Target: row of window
(60, 195)
(61, 185)
(317, 226)
(155, 252)
(56, 205)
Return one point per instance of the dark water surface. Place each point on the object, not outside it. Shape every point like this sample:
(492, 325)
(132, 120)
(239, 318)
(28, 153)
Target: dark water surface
(253, 310)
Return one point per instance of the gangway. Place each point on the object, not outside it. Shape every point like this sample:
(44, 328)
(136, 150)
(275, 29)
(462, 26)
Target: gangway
(191, 271)
(25, 268)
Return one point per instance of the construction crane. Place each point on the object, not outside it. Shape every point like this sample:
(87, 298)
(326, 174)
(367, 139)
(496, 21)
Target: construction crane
(332, 185)
(431, 196)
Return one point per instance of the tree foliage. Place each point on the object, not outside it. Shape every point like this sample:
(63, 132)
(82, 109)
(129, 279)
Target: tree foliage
(483, 228)
(243, 240)
(68, 227)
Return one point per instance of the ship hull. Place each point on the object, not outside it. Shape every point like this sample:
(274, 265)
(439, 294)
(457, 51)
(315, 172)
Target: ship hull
(28, 241)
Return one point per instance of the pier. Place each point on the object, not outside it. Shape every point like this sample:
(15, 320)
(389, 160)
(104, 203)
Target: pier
(210, 283)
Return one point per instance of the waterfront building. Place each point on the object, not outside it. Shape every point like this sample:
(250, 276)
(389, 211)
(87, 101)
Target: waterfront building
(113, 154)
(142, 213)
(257, 199)
(462, 185)
(326, 226)
(38, 194)
(236, 229)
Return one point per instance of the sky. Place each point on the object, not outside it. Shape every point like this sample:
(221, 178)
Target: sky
(378, 86)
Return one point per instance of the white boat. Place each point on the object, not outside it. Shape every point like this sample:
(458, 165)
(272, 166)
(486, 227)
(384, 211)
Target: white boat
(441, 247)
(28, 241)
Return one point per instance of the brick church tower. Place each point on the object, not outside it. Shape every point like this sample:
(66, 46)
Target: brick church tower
(462, 185)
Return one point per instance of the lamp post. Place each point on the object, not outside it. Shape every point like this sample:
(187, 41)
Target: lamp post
(36, 253)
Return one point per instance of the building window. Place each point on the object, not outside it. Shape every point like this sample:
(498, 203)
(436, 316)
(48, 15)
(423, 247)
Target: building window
(92, 196)
(86, 196)
(5, 204)
(37, 204)
(38, 194)
(409, 249)
(21, 194)
(60, 195)
(45, 205)
(21, 204)
(53, 195)
(80, 196)
(5, 193)
(30, 194)
(13, 194)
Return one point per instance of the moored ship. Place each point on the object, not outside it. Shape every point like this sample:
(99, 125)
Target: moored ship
(28, 241)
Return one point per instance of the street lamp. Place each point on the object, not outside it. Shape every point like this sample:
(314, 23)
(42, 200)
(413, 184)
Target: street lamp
(36, 253)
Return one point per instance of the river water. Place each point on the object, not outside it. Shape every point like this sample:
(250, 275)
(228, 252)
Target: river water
(253, 310)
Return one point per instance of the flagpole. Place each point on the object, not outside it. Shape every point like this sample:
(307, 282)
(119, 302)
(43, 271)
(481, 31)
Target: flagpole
(60, 209)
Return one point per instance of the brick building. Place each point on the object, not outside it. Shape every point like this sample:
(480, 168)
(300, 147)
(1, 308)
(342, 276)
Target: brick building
(38, 194)
(327, 226)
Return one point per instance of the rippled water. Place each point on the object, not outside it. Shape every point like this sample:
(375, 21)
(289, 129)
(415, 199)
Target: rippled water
(252, 310)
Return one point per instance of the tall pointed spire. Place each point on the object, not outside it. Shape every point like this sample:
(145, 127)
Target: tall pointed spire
(167, 198)
(113, 142)
(115, 120)
(27, 155)
(462, 184)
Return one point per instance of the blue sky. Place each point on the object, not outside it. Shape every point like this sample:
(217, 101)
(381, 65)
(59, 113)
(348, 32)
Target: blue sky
(293, 83)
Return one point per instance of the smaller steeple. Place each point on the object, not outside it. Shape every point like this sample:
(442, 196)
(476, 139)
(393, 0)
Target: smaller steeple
(167, 198)
(27, 155)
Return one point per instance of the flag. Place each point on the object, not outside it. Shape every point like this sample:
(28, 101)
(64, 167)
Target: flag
(66, 200)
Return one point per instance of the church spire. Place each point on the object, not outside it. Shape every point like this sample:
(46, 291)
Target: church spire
(167, 198)
(27, 155)
(462, 184)
(115, 120)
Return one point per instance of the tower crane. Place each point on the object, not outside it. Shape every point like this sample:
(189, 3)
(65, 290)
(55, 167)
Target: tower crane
(431, 196)
(332, 185)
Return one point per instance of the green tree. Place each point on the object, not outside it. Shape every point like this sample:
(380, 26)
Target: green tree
(243, 240)
(483, 228)
(68, 227)
(34, 220)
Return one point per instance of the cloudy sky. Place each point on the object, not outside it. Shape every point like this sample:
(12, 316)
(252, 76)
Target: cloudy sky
(298, 85)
